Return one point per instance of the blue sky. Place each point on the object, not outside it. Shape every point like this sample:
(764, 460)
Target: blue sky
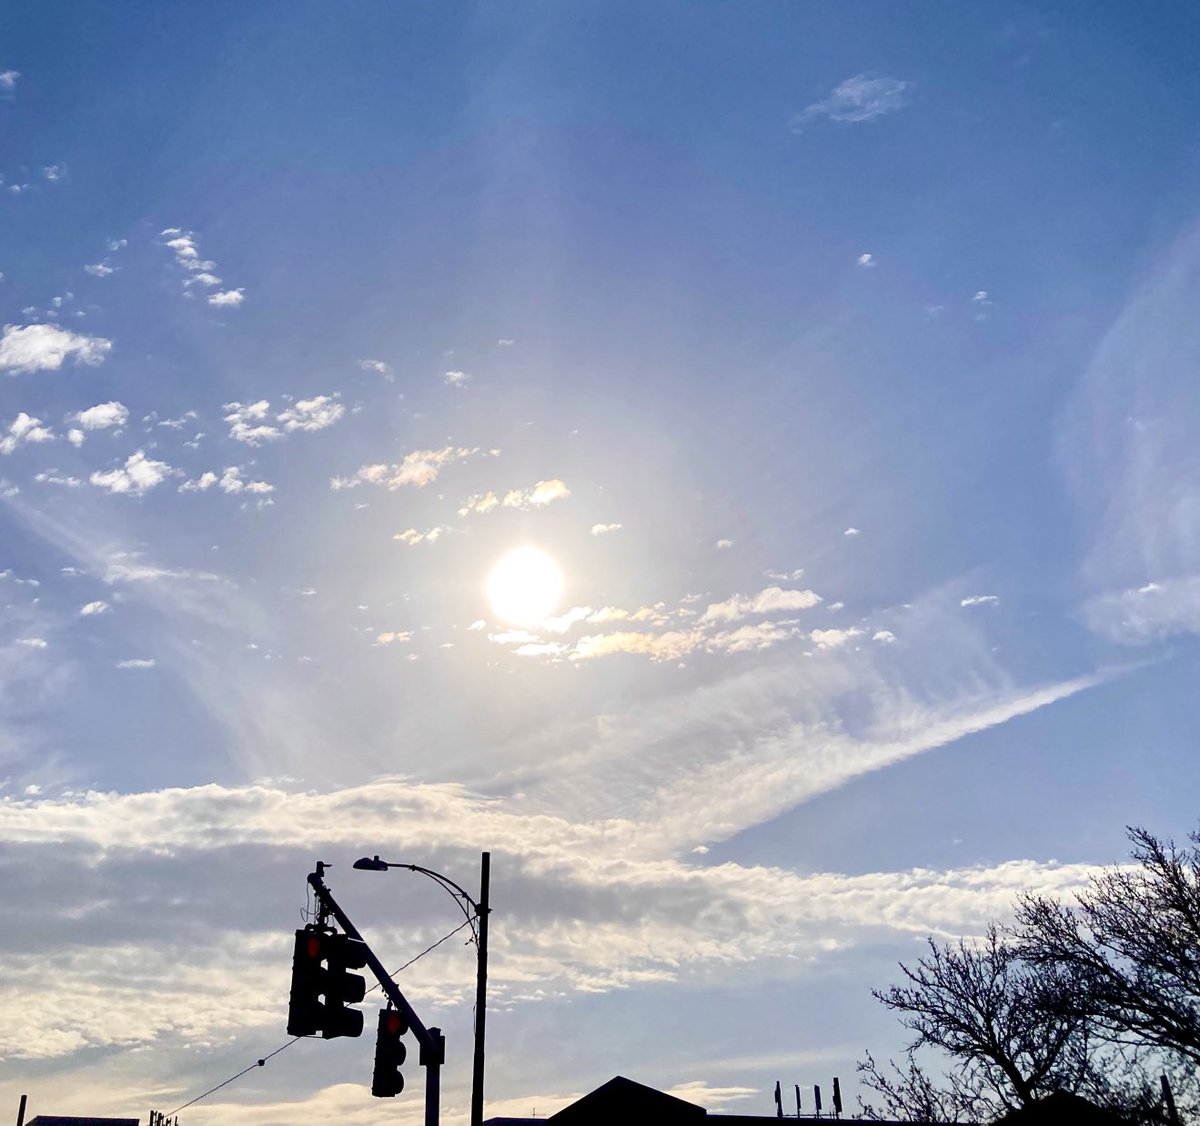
(840, 356)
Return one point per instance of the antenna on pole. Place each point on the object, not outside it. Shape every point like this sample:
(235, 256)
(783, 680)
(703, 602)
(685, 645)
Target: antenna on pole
(837, 1097)
(817, 1098)
(797, 1100)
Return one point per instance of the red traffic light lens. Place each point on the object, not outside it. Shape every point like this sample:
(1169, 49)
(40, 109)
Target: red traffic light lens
(314, 946)
(394, 1023)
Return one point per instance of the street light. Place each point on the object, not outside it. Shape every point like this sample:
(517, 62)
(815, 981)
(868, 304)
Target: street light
(481, 911)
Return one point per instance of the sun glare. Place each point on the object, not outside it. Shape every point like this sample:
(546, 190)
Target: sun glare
(524, 586)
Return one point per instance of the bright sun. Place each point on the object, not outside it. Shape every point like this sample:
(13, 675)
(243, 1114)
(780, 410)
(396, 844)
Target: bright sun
(524, 586)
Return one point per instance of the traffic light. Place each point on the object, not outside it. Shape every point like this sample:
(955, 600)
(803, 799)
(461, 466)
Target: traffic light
(386, 1080)
(307, 1014)
(305, 1011)
(343, 953)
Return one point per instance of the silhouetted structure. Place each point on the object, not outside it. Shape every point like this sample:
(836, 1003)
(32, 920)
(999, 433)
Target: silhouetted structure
(68, 1120)
(1060, 1108)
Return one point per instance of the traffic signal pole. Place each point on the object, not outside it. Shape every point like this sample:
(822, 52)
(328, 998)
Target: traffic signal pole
(431, 1040)
(481, 911)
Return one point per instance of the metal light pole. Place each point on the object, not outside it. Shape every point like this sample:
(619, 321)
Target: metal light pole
(482, 910)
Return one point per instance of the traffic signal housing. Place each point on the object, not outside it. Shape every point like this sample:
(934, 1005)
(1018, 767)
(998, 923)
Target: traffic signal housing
(321, 962)
(390, 1052)
(342, 988)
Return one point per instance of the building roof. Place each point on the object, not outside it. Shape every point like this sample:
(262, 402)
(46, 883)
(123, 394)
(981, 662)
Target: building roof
(1061, 1108)
(623, 1100)
(70, 1120)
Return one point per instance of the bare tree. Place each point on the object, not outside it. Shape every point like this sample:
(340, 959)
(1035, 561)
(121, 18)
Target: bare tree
(1131, 946)
(909, 1094)
(1002, 1021)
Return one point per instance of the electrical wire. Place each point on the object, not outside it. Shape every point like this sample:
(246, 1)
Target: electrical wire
(263, 1062)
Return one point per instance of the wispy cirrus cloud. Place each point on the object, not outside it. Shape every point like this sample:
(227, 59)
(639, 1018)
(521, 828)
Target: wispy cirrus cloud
(45, 347)
(418, 469)
(857, 99)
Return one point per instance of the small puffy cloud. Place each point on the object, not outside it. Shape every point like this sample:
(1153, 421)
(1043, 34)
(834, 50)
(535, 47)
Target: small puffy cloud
(91, 609)
(202, 278)
(33, 642)
(377, 366)
(981, 298)
(412, 537)
(883, 636)
(312, 414)
(605, 529)
(769, 601)
(230, 481)
(22, 430)
(247, 422)
(137, 663)
(700, 850)
(394, 637)
(419, 468)
(867, 261)
(138, 475)
(103, 416)
(8, 79)
(99, 269)
(230, 297)
(43, 347)
(980, 600)
(724, 545)
(54, 172)
(852, 532)
(455, 378)
(857, 99)
(477, 625)
(542, 494)
(479, 504)
(833, 638)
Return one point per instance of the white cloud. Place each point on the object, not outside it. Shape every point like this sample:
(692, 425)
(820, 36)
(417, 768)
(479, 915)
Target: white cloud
(33, 642)
(24, 429)
(981, 298)
(455, 378)
(54, 172)
(43, 347)
(724, 545)
(852, 532)
(137, 476)
(203, 278)
(833, 638)
(99, 269)
(394, 637)
(883, 636)
(312, 414)
(605, 529)
(227, 297)
(769, 601)
(8, 79)
(377, 366)
(419, 468)
(480, 504)
(230, 481)
(137, 663)
(540, 495)
(412, 537)
(246, 422)
(867, 261)
(103, 416)
(90, 609)
(856, 99)
(980, 600)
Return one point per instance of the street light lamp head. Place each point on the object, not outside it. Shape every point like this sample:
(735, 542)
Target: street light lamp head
(371, 864)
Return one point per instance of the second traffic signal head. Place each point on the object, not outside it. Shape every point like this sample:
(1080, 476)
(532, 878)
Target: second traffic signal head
(341, 988)
(390, 1052)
